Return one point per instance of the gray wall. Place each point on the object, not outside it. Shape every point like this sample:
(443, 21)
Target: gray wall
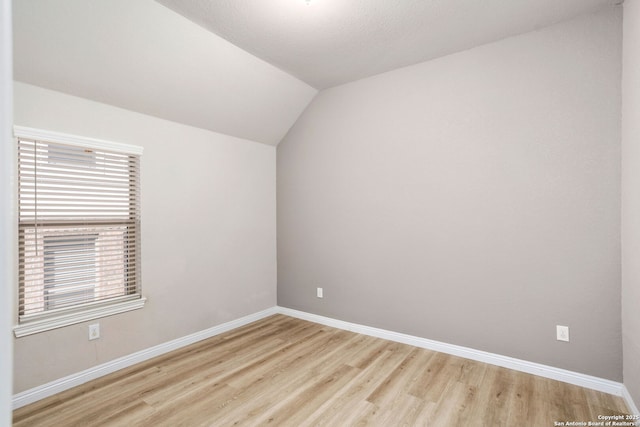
(473, 199)
(631, 198)
(208, 233)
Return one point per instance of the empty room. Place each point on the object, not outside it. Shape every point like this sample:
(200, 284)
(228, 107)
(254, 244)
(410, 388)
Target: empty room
(320, 212)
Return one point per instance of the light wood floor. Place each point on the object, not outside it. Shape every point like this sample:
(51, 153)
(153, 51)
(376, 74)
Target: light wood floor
(283, 371)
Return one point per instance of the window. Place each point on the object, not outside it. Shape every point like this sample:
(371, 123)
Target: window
(79, 229)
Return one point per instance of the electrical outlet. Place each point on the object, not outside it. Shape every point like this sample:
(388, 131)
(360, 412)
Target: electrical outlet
(562, 333)
(94, 331)
(319, 293)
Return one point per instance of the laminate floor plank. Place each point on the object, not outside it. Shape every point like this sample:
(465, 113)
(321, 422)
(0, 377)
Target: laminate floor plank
(499, 397)
(364, 413)
(295, 409)
(404, 410)
(283, 371)
(273, 385)
(435, 376)
(132, 414)
(522, 399)
(357, 390)
(452, 408)
(401, 378)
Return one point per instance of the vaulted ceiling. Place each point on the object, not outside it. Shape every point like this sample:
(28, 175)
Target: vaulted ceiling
(141, 56)
(248, 68)
(330, 42)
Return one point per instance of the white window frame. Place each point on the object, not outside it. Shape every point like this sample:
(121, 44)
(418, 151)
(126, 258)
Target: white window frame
(97, 309)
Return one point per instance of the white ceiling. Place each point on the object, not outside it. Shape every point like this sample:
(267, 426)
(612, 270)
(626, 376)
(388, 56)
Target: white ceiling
(141, 56)
(330, 42)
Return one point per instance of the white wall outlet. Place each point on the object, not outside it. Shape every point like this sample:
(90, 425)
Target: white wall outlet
(94, 331)
(319, 293)
(562, 333)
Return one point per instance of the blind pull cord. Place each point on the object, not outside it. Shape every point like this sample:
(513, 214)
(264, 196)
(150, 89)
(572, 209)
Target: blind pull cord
(35, 172)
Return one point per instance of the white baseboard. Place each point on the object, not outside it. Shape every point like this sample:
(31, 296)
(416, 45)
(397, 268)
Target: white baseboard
(563, 375)
(62, 384)
(629, 400)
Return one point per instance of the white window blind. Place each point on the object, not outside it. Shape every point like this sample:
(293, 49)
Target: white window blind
(79, 227)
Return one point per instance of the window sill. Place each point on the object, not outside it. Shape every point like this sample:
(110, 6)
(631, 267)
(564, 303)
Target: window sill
(36, 326)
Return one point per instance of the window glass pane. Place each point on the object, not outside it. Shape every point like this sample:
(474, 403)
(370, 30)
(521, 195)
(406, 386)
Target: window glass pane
(69, 269)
